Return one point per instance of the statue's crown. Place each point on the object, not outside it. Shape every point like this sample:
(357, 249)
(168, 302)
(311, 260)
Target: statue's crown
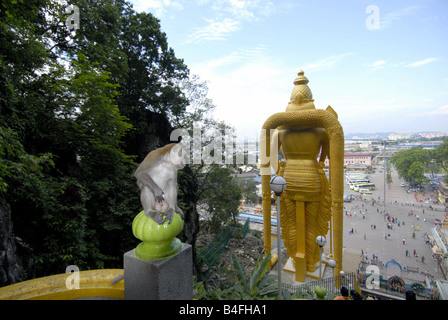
(301, 92)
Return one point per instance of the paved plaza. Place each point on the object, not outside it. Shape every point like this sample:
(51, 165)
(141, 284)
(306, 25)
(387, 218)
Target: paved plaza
(371, 234)
(374, 233)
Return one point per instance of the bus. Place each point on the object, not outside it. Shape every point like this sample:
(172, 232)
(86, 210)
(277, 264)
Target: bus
(370, 186)
(353, 178)
(365, 180)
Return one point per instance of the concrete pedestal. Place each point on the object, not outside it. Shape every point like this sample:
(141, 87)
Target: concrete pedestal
(166, 279)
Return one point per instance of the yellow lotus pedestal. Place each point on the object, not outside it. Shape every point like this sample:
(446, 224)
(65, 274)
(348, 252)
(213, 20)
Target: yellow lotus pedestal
(161, 267)
(159, 240)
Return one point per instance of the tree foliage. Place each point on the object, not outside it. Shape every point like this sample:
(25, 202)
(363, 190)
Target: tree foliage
(79, 109)
(256, 285)
(221, 195)
(440, 156)
(412, 164)
(404, 160)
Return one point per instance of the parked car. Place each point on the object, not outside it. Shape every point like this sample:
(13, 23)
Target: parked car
(403, 184)
(365, 191)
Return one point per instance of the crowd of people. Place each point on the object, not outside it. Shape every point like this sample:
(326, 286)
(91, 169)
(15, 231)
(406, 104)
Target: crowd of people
(354, 295)
(397, 216)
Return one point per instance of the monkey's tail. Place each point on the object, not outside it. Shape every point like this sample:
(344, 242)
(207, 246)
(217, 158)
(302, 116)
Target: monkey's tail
(117, 279)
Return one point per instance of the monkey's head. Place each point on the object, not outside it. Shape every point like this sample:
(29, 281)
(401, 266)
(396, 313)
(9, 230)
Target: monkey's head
(178, 156)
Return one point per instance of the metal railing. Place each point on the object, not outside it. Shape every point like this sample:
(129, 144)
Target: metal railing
(332, 285)
(211, 252)
(246, 227)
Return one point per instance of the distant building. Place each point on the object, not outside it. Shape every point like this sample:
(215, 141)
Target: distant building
(430, 135)
(443, 193)
(399, 136)
(356, 160)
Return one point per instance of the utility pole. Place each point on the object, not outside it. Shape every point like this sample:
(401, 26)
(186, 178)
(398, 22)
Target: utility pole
(384, 143)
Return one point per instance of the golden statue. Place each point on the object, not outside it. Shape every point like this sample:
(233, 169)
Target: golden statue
(309, 202)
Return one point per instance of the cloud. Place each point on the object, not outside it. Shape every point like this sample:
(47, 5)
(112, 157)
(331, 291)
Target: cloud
(421, 62)
(389, 18)
(247, 86)
(228, 16)
(325, 63)
(441, 111)
(157, 7)
(214, 30)
(379, 64)
(246, 10)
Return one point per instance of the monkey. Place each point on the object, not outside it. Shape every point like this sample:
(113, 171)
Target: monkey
(157, 180)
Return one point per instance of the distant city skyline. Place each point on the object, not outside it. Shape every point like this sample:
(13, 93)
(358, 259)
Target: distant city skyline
(396, 135)
(380, 64)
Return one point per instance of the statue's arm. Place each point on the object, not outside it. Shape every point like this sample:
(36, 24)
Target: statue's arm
(325, 142)
(275, 148)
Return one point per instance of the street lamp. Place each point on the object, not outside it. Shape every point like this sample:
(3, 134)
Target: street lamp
(321, 241)
(384, 143)
(332, 264)
(342, 274)
(278, 185)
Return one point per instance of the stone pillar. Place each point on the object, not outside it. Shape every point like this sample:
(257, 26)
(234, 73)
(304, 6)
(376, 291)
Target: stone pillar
(170, 278)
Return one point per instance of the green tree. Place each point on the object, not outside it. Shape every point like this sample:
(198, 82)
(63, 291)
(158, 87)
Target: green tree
(403, 161)
(42, 209)
(388, 174)
(97, 129)
(77, 110)
(221, 196)
(416, 173)
(249, 189)
(440, 156)
(134, 50)
(388, 177)
(64, 113)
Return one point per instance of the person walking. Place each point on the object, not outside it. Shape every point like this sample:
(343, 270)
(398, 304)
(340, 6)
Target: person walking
(410, 295)
(344, 294)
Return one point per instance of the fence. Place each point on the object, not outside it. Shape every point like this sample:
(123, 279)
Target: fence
(385, 287)
(332, 285)
(246, 227)
(211, 252)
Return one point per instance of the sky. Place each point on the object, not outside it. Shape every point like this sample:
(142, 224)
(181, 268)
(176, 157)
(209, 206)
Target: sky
(381, 65)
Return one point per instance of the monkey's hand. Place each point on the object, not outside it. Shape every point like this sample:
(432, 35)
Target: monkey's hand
(166, 216)
(179, 211)
(159, 197)
(157, 216)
